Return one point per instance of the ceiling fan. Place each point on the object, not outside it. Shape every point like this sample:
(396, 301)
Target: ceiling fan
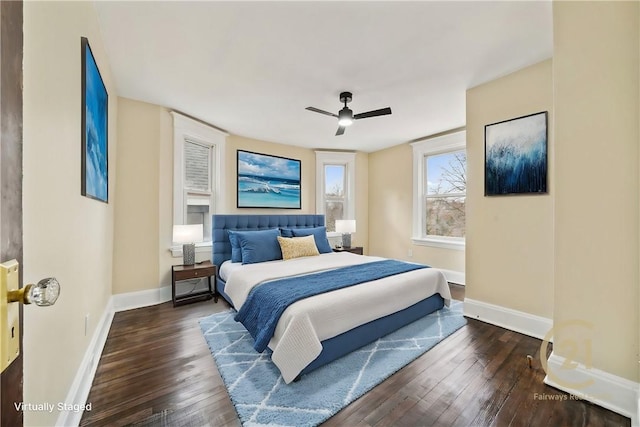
(346, 117)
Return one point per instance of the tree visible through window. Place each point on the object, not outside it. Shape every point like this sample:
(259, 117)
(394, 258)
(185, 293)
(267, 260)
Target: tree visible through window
(335, 186)
(334, 197)
(444, 199)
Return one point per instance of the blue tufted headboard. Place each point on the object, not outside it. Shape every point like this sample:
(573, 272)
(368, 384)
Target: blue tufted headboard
(221, 246)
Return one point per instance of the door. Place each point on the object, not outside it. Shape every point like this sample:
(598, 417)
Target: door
(11, 49)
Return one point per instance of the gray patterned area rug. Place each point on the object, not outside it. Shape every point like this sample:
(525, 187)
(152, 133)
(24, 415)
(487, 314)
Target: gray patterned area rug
(261, 397)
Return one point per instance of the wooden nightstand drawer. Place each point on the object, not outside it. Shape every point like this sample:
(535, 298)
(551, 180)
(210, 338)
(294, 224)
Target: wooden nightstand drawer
(193, 273)
(196, 271)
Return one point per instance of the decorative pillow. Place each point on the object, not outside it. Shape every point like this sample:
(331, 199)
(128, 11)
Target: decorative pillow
(296, 247)
(286, 232)
(236, 250)
(259, 246)
(319, 234)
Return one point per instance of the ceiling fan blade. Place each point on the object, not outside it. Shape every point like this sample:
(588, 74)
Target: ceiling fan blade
(374, 113)
(340, 130)
(317, 110)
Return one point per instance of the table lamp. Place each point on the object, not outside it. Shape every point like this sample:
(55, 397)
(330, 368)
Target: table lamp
(346, 227)
(188, 235)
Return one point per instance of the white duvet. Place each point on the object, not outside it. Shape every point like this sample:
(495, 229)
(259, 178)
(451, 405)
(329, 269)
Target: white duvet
(304, 324)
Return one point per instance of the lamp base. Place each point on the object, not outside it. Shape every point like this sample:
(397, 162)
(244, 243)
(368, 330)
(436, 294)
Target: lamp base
(188, 254)
(346, 240)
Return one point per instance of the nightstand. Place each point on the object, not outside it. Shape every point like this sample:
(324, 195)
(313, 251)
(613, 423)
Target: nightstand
(196, 271)
(352, 249)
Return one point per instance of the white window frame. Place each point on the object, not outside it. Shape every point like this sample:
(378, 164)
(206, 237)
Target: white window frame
(348, 159)
(442, 144)
(186, 129)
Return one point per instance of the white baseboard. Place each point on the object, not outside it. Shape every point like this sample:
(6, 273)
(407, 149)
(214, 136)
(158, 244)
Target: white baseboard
(131, 300)
(602, 388)
(456, 277)
(514, 320)
(81, 386)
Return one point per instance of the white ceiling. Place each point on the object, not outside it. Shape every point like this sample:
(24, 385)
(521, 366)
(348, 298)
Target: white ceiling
(251, 68)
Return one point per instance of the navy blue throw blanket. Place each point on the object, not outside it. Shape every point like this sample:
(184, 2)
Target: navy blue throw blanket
(266, 303)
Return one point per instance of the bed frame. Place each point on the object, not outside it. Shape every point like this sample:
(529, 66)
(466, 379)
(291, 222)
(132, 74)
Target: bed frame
(337, 346)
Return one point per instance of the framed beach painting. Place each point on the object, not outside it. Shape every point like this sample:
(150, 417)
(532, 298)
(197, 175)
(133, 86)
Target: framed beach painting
(95, 106)
(516, 156)
(266, 181)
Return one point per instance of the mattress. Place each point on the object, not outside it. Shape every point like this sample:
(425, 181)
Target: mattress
(227, 268)
(304, 324)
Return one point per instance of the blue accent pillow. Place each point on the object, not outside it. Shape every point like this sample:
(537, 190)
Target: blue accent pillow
(236, 250)
(319, 234)
(286, 232)
(259, 246)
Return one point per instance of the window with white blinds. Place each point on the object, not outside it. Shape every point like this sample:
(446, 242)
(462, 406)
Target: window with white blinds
(198, 182)
(198, 172)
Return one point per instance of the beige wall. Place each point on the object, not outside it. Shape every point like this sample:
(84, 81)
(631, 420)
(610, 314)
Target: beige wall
(391, 211)
(361, 236)
(136, 238)
(509, 243)
(66, 235)
(595, 81)
(165, 198)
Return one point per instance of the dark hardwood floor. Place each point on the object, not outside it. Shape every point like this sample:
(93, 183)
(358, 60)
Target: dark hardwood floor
(156, 370)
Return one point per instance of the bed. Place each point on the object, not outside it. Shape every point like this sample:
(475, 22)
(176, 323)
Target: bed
(319, 329)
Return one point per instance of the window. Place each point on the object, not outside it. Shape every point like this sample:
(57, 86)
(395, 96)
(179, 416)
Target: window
(197, 173)
(444, 199)
(440, 183)
(334, 194)
(198, 183)
(335, 183)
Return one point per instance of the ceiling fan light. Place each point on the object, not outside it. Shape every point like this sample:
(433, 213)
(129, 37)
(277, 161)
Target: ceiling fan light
(345, 117)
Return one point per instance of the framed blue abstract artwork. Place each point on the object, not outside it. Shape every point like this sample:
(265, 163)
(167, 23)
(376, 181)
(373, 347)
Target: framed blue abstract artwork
(266, 181)
(95, 150)
(516, 156)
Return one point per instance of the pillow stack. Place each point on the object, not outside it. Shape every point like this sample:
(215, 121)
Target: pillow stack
(254, 246)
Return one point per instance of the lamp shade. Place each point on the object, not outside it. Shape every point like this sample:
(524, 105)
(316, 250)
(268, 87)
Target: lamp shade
(187, 233)
(346, 225)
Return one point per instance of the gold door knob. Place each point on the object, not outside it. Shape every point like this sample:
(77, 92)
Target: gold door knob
(44, 293)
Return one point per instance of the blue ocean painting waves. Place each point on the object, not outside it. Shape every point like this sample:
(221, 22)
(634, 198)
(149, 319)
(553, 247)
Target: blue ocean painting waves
(96, 110)
(268, 192)
(266, 181)
(96, 166)
(516, 158)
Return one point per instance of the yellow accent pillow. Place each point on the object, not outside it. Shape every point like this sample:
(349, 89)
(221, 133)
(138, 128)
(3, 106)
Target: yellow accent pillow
(296, 247)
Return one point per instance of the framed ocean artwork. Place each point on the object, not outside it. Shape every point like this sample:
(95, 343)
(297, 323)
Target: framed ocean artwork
(266, 181)
(95, 150)
(516, 156)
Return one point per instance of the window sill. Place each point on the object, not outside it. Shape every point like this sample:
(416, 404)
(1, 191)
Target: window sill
(204, 247)
(442, 243)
